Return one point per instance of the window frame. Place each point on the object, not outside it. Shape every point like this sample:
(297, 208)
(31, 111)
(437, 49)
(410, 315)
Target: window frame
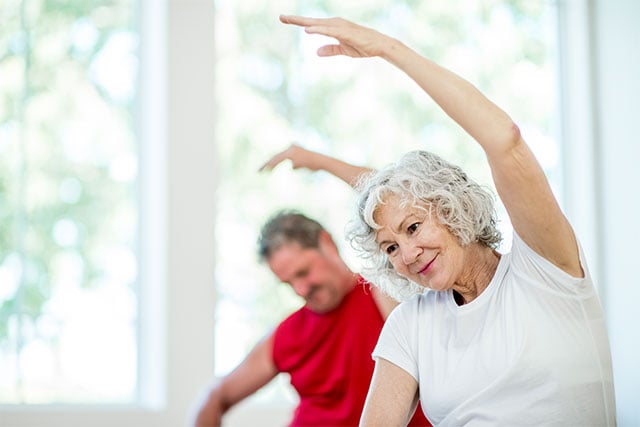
(580, 151)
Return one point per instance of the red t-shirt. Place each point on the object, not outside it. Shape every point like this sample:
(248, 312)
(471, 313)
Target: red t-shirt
(328, 356)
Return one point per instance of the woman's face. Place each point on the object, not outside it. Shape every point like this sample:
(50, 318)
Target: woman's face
(417, 245)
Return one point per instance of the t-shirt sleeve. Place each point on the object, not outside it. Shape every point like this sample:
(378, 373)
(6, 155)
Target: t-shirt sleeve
(543, 272)
(397, 342)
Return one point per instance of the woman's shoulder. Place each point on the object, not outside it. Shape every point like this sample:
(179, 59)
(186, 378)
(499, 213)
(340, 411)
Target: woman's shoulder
(527, 263)
(420, 303)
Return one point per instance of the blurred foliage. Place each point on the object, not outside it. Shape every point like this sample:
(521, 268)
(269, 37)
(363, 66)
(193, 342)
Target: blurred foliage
(65, 138)
(273, 89)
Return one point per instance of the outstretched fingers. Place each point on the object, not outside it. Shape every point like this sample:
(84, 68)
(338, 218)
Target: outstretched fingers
(275, 161)
(331, 50)
(304, 21)
(323, 26)
(293, 19)
(353, 40)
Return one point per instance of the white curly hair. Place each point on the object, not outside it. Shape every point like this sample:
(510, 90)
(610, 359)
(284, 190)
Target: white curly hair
(426, 181)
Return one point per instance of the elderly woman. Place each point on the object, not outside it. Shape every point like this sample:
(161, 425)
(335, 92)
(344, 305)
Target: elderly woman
(488, 338)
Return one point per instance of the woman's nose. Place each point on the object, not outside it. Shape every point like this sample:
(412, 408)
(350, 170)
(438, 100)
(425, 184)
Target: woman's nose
(409, 253)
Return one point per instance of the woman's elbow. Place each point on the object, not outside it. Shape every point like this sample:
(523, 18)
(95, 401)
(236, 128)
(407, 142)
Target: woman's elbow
(510, 136)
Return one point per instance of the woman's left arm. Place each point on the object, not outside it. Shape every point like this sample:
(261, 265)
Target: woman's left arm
(520, 181)
(519, 178)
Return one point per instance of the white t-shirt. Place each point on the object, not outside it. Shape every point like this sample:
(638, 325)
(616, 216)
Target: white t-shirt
(532, 349)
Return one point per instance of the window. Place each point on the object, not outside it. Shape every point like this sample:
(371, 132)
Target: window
(68, 203)
(171, 121)
(273, 89)
(171, 129)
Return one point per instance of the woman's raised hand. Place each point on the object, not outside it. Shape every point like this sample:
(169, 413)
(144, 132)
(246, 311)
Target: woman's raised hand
(354, 40)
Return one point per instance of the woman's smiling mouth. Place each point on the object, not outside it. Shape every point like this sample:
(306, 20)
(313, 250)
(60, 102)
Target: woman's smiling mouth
(428, 266)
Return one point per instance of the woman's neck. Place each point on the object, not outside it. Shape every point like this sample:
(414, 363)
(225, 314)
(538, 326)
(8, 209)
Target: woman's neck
(483, 263)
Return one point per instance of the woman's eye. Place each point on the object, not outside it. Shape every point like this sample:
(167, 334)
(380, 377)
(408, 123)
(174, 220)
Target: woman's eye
(390, 249)
(412, 228)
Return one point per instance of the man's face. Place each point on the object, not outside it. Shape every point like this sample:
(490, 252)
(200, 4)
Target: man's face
(312, 273)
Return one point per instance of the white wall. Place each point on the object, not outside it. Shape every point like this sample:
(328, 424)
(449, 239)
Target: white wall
(616, 36)
(191, 200)
(600, 60)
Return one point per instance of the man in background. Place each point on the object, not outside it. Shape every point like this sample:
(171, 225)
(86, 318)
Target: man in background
(325, 346)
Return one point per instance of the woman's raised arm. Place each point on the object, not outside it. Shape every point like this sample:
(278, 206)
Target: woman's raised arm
(519, 178)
